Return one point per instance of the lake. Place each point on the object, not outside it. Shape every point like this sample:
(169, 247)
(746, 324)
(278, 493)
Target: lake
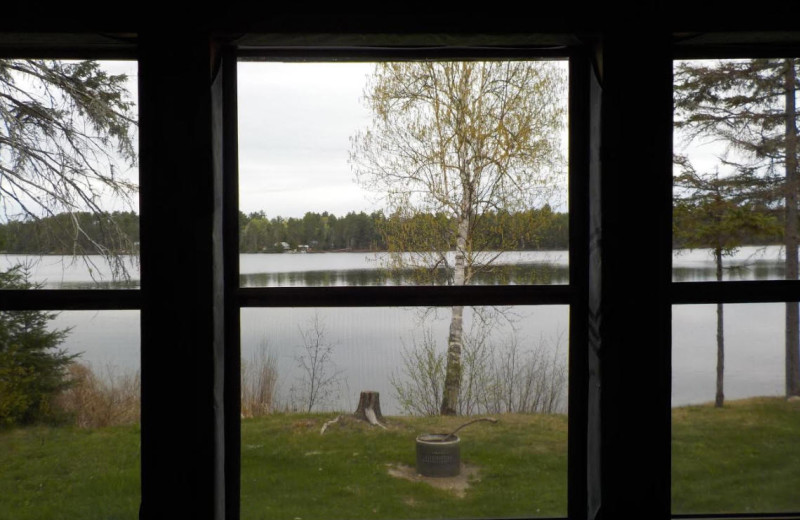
(368, 343)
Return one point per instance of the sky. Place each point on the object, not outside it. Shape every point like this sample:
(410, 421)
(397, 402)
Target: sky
(295, 121)
(295, 124)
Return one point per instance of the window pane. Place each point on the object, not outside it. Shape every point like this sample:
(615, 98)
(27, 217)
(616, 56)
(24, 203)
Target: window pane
(744, 455)
(69, 408)
(305, 368)
(735, 169)
(68, 174)
(403, 173)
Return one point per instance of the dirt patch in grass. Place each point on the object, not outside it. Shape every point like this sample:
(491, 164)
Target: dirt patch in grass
(457, 485)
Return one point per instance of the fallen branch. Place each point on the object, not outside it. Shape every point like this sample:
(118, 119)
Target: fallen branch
(332, 421)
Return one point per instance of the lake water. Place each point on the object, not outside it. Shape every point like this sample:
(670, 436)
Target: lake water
(368, 343)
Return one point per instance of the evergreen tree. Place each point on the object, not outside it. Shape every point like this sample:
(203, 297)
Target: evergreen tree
(32, 366)
(751, 106)
(720, 213)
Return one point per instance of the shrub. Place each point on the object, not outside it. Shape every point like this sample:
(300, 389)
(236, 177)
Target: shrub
(259, 383)
(92, 401)
(33, 370)
(497, 377)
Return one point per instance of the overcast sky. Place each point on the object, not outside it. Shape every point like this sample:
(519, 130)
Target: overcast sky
(295, 122)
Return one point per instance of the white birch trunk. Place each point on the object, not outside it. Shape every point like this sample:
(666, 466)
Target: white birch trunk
(455, 341)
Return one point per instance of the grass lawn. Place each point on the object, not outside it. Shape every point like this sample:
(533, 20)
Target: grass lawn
(69, 473)
(745, 457)
(522, 464)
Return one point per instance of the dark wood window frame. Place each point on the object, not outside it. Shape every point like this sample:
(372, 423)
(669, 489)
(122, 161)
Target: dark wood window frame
(618, 465)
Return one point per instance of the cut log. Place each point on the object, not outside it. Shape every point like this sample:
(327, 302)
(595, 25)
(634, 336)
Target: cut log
(369, 401)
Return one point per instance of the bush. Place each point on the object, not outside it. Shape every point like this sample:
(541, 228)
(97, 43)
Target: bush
(92, 401)
(259, 383)
(33, 370)
(497, 377)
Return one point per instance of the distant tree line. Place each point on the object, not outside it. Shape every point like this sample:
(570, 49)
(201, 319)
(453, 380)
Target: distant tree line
(535, 229)
(544, 229)
(72, 233)
(320, 231)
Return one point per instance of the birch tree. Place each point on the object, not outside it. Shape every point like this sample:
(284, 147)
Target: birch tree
(458, 141)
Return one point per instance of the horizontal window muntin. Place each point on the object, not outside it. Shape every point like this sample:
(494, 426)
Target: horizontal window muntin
(734, 292)
(20, 299)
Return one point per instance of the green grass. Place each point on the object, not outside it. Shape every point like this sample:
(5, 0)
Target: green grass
(344, 473)
(68, 473)
(745, 457)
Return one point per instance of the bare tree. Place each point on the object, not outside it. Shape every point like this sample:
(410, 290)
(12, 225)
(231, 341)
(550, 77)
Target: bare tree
(460, 142)
(319, 383)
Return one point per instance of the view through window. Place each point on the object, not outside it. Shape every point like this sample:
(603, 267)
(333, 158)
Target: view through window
(736, 377)
(425, 174)
(69, 380)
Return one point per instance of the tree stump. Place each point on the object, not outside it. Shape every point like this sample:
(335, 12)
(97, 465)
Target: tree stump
(368, 404)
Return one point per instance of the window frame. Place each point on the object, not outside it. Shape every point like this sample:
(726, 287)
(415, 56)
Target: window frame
(427, 296)
(732, 291)
(180, 474)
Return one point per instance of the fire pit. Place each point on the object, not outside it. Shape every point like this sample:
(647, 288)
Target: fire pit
(439, 454)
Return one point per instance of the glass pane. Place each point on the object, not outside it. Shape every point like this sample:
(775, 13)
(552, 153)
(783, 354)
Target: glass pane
(69, 415)
(741, 456)
(309, 374)
(68, 172)
(403, 173)
(735, 170)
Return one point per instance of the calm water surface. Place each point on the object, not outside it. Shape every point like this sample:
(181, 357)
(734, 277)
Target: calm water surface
(368, 342)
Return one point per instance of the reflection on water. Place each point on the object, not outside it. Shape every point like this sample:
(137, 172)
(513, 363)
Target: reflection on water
(757, 270)
(362, 269)
(521, 274)
(748, 263)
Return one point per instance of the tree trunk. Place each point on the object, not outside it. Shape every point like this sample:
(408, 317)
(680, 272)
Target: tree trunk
(455, 340)
(720, 396)
(452, 379)
(369, 401)
(791, 234)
